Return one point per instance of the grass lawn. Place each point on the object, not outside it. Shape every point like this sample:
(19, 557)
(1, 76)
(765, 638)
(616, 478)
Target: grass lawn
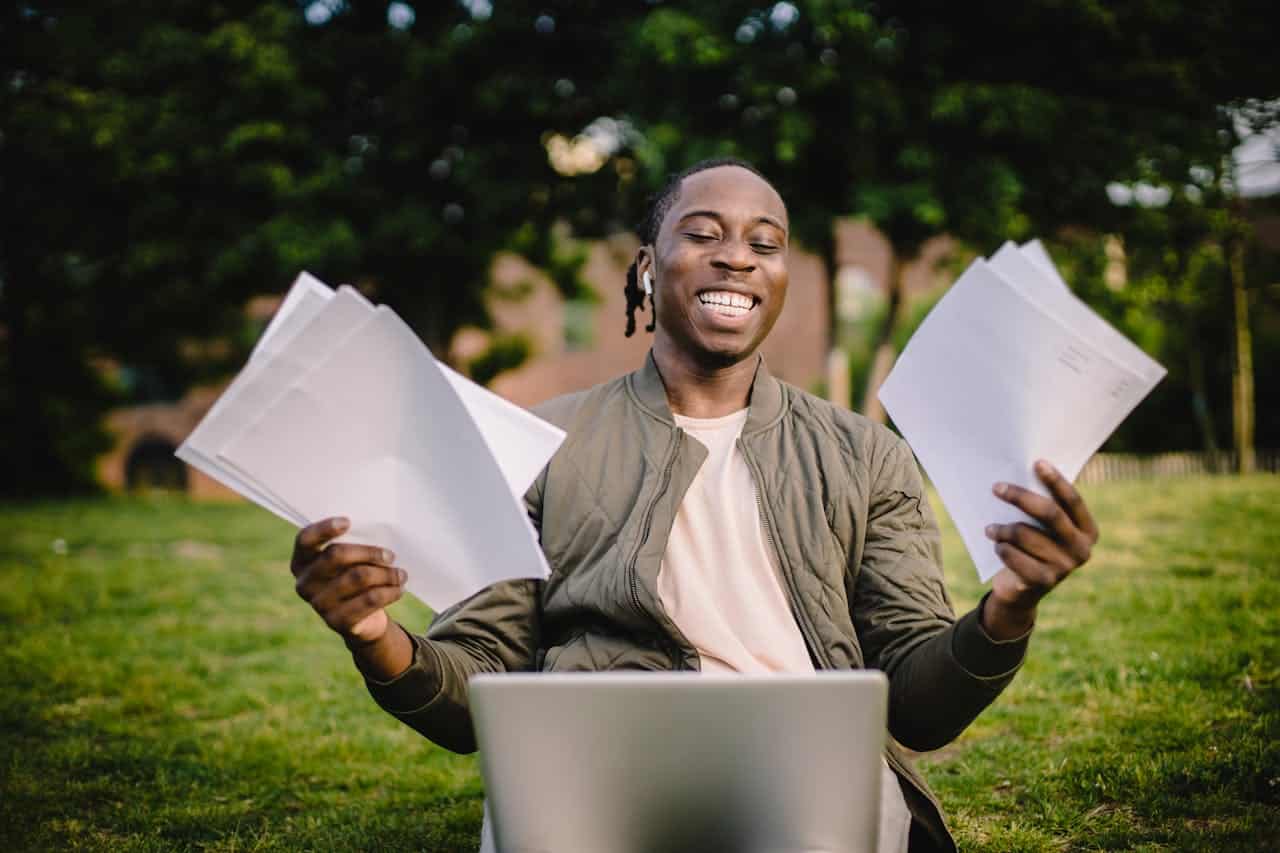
(163, 688)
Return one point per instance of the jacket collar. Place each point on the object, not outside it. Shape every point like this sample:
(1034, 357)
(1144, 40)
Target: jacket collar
(768, 395)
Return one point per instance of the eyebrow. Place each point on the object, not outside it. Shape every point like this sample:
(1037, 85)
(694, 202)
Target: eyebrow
(765, 218)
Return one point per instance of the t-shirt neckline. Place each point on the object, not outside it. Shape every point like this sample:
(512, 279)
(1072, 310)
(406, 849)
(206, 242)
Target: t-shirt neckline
(733, 418)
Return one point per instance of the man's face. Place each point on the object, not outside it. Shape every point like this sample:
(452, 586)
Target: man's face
(719, 265)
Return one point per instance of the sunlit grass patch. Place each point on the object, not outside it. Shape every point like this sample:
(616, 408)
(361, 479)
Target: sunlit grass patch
(165, 689)
(1146, 716)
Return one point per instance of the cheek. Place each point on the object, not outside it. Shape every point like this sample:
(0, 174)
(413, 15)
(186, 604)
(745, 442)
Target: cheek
(675, 265)
(778, 281)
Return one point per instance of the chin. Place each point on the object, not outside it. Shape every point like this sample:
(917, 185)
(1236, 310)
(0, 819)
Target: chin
(727, 353)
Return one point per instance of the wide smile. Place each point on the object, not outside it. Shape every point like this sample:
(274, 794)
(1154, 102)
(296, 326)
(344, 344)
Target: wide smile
(727, 304)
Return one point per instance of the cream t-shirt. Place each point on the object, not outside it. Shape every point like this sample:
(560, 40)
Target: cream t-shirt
(719, 584)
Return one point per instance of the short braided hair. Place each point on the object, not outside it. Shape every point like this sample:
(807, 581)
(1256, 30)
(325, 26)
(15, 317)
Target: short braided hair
(659, 205)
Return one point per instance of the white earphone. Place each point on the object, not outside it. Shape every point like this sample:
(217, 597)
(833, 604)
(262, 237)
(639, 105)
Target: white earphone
(648, 284)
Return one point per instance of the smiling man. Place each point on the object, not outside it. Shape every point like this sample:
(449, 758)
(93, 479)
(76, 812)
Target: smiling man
(703, 515)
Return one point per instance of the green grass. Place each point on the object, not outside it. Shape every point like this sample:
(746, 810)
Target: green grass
(163, 688)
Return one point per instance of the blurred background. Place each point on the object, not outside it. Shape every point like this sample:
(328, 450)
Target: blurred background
(169, 168)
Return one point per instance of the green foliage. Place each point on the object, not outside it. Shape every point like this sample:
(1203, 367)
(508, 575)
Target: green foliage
(929, 118)
(505, 352)
(558, 254)
(1175, 302)
(165, 689)
(161, 165)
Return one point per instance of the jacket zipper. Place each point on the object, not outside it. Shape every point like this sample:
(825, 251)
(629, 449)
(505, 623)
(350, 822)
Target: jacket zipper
(632, 565)
(806, 627)
(801, 617)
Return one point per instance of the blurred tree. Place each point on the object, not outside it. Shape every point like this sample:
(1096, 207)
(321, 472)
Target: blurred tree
(981, 121)
(1187, 266)
(162, 162)
(143, 144)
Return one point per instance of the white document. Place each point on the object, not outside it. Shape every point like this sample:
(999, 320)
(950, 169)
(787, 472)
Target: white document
(303, 301)
(1034, 251)
(521, 442)
(994, 380)
(298, 338)
(301, 339)
(267, 378)
(431, 464)
(1056, 299)
(376, 432)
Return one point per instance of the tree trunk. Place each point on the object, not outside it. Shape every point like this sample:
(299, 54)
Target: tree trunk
(838, 390)
(28, 457)
(1242, 409)
(885, 356)
(1200, 409)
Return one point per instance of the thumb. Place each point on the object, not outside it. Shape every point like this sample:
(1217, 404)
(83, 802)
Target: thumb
(371, 628)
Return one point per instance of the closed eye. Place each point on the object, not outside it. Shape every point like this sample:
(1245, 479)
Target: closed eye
(700, 236)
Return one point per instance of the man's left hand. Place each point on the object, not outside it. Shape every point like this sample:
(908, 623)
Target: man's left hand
(1036, 559)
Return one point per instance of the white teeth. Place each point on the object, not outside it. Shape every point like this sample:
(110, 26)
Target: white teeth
(727, 299)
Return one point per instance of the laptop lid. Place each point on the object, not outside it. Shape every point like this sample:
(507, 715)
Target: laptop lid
(648, 762)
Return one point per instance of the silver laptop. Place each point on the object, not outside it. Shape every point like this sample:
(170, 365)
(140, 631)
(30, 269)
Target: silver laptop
(664, 763)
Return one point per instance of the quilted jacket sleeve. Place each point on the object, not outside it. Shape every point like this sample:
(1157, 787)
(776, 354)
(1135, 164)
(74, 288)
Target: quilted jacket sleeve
(496, 630)
(942, 672)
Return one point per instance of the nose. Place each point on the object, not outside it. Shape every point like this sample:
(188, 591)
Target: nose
(734, 255)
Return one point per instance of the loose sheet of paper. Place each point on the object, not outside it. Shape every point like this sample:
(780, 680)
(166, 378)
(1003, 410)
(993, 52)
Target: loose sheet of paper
(1049, 291)
(994, 380)
(300, 340)
(305, 299)
(377, 433)
(342, 411)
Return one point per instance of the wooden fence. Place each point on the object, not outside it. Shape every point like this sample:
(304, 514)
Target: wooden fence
(1124, 466)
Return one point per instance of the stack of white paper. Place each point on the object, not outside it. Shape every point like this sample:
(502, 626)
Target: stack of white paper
(1008, 368)
(342, 410)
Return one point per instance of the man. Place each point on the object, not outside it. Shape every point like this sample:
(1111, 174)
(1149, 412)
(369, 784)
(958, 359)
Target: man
(703, 515)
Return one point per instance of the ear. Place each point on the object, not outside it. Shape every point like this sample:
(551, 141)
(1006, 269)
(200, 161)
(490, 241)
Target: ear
(644, 262)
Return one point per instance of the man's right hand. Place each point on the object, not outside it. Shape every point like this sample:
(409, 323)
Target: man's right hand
(348, 585)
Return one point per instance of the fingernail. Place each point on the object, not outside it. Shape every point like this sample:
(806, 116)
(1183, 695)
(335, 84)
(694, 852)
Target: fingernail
(1000, 489)
(990, 531)
(388, 557)
(1043, 467)
(404, 577)
(341, 523)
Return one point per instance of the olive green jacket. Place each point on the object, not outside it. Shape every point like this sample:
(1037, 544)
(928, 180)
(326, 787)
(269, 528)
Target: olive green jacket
(844, 508)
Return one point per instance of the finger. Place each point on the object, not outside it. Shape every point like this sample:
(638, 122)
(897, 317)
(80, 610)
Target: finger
(337, 558)
(328, 594)
(1039, 577)
(316, 576)
(352, 583)
(1069, 498)
(359, 579)
(1043, 509)
(351, 612)
(1035, 542)
(311, 540)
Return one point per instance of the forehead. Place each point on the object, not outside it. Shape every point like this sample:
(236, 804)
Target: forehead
(730, 191)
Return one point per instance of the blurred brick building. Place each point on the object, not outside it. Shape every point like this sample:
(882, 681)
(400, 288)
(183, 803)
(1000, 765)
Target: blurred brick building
(572, 344)
(578, 343)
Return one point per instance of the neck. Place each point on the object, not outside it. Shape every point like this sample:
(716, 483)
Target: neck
(700, 391)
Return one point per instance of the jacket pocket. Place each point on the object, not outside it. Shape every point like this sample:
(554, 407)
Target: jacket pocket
(595, 652)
